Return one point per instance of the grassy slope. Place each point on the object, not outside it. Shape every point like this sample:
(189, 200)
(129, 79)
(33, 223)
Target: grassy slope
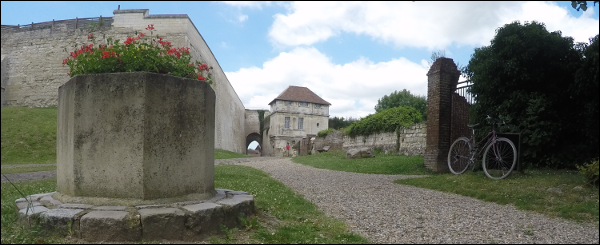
(28, 135)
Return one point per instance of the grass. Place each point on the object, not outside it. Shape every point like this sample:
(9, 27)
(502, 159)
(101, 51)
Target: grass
(26, 169)
(380, 164)
(531, 190)
(526, 191)
(300, 221)
(223, 154)
(28, 135)
(14, 233)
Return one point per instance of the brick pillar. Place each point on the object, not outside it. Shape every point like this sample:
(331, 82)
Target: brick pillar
(442, 79)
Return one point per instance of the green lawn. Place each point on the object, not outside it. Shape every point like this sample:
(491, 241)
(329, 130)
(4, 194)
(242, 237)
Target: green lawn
(28, 135)
(381, 164)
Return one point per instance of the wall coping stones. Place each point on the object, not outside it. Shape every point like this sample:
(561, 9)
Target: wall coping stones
(190, 221)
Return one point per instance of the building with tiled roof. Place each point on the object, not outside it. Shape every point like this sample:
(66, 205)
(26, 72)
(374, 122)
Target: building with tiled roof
(295, 114)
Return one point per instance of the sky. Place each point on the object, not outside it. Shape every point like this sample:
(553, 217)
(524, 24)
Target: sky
(349, 53)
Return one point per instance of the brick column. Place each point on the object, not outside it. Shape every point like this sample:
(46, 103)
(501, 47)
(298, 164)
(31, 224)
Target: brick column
(442, 79)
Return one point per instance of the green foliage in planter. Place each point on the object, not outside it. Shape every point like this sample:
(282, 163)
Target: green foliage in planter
(388, 120)
(141, 53)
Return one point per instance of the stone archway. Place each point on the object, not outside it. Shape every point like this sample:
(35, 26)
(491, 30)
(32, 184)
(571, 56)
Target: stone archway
(254, 137)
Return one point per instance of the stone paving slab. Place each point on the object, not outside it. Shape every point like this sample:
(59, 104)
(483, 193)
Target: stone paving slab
(189, 221)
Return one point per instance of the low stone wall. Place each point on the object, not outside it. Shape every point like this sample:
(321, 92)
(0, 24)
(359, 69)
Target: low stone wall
(411, 141)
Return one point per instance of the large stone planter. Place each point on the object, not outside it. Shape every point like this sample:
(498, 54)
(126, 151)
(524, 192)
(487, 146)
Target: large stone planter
(135, 138)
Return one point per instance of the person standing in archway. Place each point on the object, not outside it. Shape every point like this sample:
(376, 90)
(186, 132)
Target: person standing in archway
(287, 149)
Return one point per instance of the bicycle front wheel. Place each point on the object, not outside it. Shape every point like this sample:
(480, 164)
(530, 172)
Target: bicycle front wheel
(499, 159)
(458, 156)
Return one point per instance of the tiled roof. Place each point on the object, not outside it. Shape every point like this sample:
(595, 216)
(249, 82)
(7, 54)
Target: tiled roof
(302, 94)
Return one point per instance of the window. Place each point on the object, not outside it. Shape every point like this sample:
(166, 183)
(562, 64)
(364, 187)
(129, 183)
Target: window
(317, 125)
(288, 102)
(317, 106)
(303, 104)
(300, 123)
(287, 122)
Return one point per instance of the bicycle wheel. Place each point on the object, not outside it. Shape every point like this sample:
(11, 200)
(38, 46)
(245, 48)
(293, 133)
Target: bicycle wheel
(458, 156)
(499, 159)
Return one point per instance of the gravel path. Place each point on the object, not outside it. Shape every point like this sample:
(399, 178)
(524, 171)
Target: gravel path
(384, 212)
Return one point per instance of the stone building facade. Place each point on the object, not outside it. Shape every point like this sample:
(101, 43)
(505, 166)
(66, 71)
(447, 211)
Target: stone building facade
(295, 114)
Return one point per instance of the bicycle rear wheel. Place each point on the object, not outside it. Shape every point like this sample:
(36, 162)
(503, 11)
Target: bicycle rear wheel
(499, 159)
(458, 156)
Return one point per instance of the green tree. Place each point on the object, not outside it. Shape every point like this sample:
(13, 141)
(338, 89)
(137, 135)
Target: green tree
(581, 5)
(403, 98)
(526, 76)
(585, 90)
(340, 122)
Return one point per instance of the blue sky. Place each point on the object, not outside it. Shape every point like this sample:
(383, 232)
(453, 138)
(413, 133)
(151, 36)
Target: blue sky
(349, 53)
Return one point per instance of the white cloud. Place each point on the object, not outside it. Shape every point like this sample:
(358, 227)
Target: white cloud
(361, 82)
(248, 4)
(432, 25)
(242, 17)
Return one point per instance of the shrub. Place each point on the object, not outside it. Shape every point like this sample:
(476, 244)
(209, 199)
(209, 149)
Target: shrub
(388, 120)
(590, 172)
(323, 133)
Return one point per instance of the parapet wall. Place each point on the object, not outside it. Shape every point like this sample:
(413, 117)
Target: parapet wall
(411, 141)
(32, 62)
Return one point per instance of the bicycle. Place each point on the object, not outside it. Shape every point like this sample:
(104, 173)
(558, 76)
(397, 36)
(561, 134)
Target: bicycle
(499, 157)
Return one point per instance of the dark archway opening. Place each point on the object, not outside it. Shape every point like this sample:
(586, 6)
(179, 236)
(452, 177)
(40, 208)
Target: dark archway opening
(254, 137)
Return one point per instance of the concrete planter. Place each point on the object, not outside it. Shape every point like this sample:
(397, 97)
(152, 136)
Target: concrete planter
(135, 138)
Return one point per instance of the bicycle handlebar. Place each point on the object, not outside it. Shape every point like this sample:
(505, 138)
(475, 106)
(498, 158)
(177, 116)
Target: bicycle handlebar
(496, 120)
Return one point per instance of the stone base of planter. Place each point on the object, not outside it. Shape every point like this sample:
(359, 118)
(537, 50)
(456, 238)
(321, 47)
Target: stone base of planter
(186, 221)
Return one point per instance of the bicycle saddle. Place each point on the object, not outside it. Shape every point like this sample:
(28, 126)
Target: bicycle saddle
(472, 126)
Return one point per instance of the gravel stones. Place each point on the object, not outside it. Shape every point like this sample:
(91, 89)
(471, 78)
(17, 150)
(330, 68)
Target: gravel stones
(385, 212)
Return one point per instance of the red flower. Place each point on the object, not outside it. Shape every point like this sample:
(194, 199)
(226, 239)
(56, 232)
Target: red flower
(90, 35)
(130, 40)
(200, 77)
(106, 54)
(203, 67)
(141, 34)
(150, 27)
(102, 46)
(65, 61)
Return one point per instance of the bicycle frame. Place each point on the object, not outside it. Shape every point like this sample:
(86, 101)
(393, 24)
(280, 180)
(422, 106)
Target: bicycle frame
(476, 151)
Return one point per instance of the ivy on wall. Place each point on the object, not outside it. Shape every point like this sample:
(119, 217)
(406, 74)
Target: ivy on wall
(389, 120)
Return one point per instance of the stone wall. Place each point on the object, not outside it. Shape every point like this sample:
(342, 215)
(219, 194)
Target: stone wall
(411, 141)
(34, 69)
(3, 71)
